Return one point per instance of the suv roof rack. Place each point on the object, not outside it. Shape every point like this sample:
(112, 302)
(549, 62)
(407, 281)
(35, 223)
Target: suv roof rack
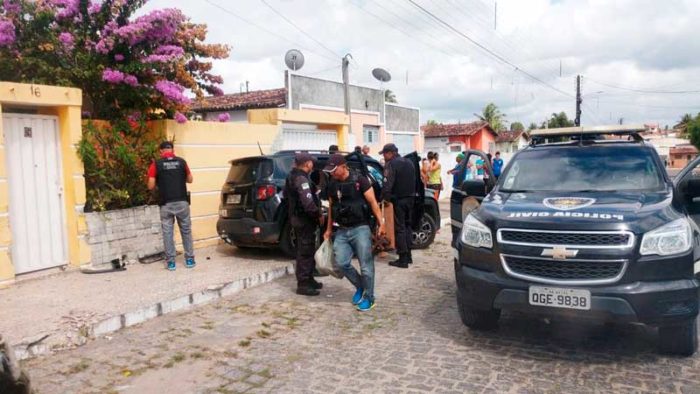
(593, 133)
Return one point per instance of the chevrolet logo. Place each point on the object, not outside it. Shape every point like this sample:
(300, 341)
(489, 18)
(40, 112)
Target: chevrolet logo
(559, 253)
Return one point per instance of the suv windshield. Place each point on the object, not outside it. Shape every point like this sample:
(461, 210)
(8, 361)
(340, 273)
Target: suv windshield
(591, 168)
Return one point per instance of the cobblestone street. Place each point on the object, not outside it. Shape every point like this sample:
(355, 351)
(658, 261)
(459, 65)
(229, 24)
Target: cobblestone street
(267, 339)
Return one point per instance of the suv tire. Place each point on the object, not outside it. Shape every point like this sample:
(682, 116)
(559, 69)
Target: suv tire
(288, 239)
(679, 339)
(478, 319)
(426, 232)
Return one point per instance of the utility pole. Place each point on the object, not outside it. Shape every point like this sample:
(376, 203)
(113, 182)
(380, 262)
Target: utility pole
(346, 83)
(579, 100)
(495, 14)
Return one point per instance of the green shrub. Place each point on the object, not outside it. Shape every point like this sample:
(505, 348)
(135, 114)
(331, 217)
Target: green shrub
(116, 157)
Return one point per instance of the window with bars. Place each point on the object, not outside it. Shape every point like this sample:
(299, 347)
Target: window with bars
(370, 134)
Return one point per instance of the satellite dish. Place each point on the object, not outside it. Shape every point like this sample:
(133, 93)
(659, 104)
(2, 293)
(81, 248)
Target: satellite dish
(381, 75)
(294, 59)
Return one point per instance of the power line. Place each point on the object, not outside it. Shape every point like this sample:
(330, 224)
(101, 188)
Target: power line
(248, 21)
(312, 38)
(487, 50)
(637, 90)
(393, 26)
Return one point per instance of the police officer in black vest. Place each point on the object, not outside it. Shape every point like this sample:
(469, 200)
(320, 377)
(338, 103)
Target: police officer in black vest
(352, 200)
(399, 189)
(306, 217)
(171, 174)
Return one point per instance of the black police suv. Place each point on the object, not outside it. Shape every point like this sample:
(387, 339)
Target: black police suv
(588, 227)
(253, 212)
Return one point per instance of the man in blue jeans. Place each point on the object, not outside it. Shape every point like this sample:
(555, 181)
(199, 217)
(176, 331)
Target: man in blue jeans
(351, 198)
(171, 174)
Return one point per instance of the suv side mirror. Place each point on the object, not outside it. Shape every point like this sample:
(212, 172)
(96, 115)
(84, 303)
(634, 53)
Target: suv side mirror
(474, 187)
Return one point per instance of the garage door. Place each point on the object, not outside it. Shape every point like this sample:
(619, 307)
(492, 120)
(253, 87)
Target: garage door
(404, 142)
(305, 137)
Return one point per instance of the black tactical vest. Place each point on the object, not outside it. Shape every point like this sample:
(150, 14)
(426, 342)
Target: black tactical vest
(295, 207)
(349, 206)
(171, 178)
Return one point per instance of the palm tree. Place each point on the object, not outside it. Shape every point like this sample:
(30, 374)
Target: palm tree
(493, 116)
(389, 96)
(682, 126)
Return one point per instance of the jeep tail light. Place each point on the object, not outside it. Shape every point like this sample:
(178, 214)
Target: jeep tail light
(265, 192)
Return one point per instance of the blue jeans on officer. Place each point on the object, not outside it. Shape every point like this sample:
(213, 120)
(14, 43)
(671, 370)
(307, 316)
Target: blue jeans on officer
(357, 241)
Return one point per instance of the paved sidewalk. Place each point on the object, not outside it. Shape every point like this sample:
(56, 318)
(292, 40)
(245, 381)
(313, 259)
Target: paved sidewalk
(63, 310)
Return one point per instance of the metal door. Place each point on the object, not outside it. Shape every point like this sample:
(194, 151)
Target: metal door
(306, 137)
(37, 218)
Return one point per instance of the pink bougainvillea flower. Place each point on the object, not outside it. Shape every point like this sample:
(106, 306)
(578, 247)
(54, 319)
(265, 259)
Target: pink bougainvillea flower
(119, 57)
(7, 33)
(67, 40)
(180, 118)
(172, 91)
(224, 117)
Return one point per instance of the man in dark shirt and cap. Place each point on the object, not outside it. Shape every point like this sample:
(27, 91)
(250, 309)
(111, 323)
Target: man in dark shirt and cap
(305, 217)
(399, 189)
(171, 174)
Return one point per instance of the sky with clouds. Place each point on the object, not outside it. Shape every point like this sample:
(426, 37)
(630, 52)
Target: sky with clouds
(634, 55)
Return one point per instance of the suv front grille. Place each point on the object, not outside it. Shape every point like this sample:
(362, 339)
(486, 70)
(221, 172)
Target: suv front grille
(604, 239)
(563, 271)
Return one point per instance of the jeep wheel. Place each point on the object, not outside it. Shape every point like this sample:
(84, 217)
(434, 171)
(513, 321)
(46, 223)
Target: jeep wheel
(425, 234)
(478, 319)
(288, 241)
(680, 339)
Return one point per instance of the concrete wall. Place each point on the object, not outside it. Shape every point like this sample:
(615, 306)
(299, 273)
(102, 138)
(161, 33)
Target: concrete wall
(208, 147)
(399, 118)
(240, 116)
(306, 90)
(133, 232)
(64, 103)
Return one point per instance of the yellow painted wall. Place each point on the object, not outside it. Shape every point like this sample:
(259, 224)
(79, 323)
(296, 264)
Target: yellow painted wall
(208, 147)
(65, 103)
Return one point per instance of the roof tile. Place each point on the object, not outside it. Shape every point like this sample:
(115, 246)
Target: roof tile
(271, 98)
(447, 130)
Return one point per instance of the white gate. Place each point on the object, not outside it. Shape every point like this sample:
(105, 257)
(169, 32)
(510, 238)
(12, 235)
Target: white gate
(305, 137)
(37, 219)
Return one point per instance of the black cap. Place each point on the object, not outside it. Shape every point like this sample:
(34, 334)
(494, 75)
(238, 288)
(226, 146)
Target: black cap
(389, 148)
(332, 149)
(166, 145)
(333, 163)
(303, 157)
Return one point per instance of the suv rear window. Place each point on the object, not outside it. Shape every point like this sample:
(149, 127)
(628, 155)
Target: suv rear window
(593, 168)
(249, 171)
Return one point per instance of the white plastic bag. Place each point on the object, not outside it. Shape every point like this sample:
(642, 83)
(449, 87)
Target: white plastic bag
(325, 263)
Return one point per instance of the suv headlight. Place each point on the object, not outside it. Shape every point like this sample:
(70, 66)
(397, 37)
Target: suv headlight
(476, 234)
(671, 238)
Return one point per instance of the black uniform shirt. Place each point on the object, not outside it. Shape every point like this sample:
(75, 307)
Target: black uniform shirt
(305, 194)
(399, 179)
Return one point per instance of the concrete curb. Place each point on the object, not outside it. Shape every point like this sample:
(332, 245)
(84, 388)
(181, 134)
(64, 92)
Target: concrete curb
(67, 339)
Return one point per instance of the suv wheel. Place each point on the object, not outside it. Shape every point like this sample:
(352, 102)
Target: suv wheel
(288, 241)
(477, 319)
(680, 339)
(425, 234)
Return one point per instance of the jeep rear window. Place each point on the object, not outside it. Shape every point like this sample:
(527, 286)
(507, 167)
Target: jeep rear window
(592, 168)
(249, 171)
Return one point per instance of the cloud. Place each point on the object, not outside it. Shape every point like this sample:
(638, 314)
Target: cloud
(642, 44)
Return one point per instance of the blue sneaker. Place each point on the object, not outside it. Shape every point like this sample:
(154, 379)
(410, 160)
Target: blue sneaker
(171, 266)
(365, 305)
(357, 297)
(190, 263)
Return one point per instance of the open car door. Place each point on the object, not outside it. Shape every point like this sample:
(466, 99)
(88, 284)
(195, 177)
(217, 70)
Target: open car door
(687, 189)
(476, 180)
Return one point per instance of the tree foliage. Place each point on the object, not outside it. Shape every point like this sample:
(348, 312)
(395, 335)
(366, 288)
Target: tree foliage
(517, 126)
(533, 126)
(692, 127)
(558, 120)
(389, 96)
(431, 122)
(122, 62)
(493, 116)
